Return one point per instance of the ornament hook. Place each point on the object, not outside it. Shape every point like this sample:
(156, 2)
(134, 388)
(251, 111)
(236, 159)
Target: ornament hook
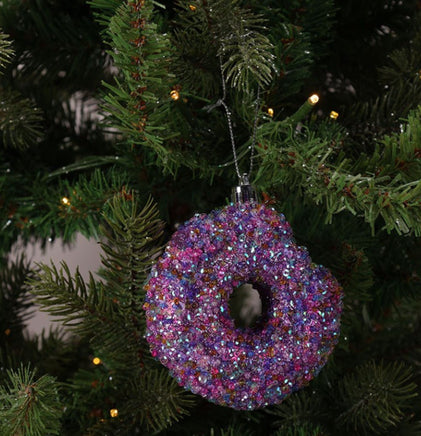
(244, 192)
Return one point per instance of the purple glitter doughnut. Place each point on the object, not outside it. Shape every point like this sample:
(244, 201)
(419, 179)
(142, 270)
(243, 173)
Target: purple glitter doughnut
(189, 327)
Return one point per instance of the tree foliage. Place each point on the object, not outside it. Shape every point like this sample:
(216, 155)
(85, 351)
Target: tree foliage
(30, 405)
(104, 104)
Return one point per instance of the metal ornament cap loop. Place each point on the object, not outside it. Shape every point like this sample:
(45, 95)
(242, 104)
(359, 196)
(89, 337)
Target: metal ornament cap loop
(244, 192)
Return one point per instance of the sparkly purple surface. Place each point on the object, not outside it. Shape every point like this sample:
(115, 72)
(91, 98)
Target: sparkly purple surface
(189, 327)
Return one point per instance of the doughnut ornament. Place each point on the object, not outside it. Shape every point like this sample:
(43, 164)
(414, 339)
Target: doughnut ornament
(189, 327)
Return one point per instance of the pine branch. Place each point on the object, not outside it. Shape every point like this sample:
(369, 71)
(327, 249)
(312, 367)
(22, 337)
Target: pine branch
(161, 401)
(158, 129)
(248, 58)
(30, 406)
(367, 120)
(229, 31)
(301, 33)
(53, 42)
(87, 310)
(82, 201)
(107, 312)
(63, 208)
(395, 329)
(375, 398)
(407, 429)
(402, 67)
(324, 174)
(302, 431)
(299, 411)
(246, 52)
(14, 302)
(403, 63)
(354, 271)
(237, 430)
(399, 77)
(318, 21)
(91, 393)
(66, 296)
(195, 65)
(131, 247)
(140, 99)
(152, 402)
(20, 121)
(59, 354)
(104, 10)
(6, 51)
(111, 315)
(294, 60)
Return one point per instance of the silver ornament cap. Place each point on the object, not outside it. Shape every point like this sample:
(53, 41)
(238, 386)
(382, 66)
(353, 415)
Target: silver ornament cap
(244, 192)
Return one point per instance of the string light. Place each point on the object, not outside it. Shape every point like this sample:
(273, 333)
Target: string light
(303, 110)
(271, 112)
(192, 7)
(96, 361)
(7, 332)
(113, 413)
(65, 201)
(313, 99)
(334, 115)
(175, 95)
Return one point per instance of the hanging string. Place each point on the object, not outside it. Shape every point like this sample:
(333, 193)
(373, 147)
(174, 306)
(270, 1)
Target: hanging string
(228, 114)
(253, 140)
(222, 102)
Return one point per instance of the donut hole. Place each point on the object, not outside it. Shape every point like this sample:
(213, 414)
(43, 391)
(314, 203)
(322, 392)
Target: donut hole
(249, 305)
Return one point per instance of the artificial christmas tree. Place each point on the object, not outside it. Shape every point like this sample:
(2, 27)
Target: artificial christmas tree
(114, 124)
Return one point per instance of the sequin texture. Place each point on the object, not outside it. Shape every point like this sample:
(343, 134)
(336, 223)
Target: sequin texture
(189, 327)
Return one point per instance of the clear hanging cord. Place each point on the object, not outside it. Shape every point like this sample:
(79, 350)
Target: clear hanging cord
(222, 102)
(244, 191)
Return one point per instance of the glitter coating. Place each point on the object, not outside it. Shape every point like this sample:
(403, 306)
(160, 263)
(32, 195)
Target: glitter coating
(189, 327)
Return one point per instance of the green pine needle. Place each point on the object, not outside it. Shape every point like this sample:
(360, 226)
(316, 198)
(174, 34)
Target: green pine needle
(20, 121)
(232, 32)
(14, 304)
(161, 400)
(29, 406)
(375, 397)
(299, 410)
(131, 246)
(139, 100)
(302, 431)
(106, 312)
(384, 187)
(238, 430)
(6, 51)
